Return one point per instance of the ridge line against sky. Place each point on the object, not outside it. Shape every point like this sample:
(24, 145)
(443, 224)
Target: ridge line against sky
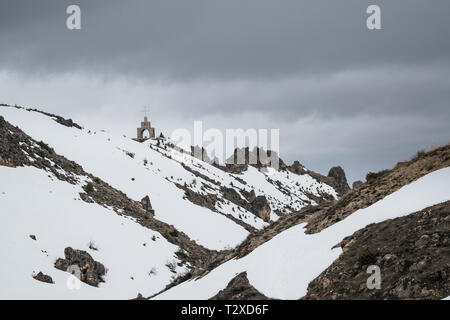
(339, 93)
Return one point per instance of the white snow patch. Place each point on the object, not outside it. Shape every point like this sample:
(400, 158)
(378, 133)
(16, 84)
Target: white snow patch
(31, 203)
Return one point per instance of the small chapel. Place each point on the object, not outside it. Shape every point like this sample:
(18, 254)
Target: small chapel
(145, 127)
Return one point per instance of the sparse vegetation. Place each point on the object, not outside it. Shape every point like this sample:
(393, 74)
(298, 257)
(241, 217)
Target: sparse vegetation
(172, 266)
(152, 272)
(130, 154)
(374, 175)
(419, 155)
(92, 245)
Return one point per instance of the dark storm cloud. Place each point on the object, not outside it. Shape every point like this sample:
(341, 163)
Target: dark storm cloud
(339, 93)
(220, 39)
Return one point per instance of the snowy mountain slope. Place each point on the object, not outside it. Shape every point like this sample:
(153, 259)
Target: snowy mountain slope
(140, 169)
(18, 152)
(34, 202)
(284, 266)
(285, 191)
(65, 205)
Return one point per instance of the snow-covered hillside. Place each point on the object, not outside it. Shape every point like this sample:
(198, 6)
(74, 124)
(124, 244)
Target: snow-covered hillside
(34, 203)
(140, 169)
(42, 213)
(284, 266)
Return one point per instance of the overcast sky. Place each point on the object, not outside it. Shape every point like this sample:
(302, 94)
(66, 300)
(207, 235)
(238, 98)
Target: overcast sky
(339, 93)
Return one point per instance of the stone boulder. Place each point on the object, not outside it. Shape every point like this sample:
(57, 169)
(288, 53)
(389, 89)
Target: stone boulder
(340, 181)
(297, 168)
(250, 196)
(257, 157)
(43, 278)
(147, 205)
(233, 196)
(91, 271)
(260, 207)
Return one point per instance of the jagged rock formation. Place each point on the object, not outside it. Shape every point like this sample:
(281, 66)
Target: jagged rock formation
(413, 254)
(261, 208)
(91, 271)
(340, 181)
(258, 158)
(297, 168)
(255, 204)
(336, 177)
(239, 289)
(147, 205)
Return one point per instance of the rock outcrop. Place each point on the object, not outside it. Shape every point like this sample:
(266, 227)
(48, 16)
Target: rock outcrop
(255, 204)
(412, 252)
(239, 288)
(258, 158)
(356, 184)
(91, 271)
(297, 168)
(147, 205)
(43, 277)
(261, 208)
(340, 181)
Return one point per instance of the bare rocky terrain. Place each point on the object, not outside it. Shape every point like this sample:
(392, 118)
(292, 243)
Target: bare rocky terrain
(413, 253)
(239, 289)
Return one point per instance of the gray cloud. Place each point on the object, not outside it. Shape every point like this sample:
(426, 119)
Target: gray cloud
(215, 38)
(339, 93)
